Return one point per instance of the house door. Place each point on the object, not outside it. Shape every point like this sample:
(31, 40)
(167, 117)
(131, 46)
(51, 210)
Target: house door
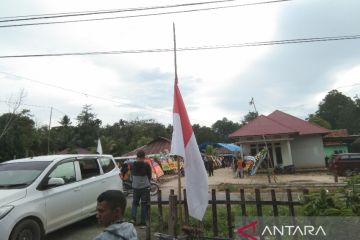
(278, 154)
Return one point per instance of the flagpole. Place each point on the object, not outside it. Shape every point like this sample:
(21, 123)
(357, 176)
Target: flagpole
(177, 157)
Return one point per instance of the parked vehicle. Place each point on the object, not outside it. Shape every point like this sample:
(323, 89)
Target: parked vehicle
(154, 188)
(42, 194)
(281, 169)
(345, 163)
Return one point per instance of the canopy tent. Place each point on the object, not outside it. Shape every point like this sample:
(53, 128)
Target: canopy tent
(155, 167)
(228, 146)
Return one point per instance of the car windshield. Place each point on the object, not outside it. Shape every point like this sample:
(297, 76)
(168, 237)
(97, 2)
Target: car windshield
(20, 174)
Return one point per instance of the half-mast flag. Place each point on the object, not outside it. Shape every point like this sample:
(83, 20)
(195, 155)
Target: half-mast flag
(99, 147)
(184, 144)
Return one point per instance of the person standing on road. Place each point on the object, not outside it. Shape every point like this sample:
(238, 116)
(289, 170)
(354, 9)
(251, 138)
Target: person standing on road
(110, 210)
(141, 176)
(240, 168)
(211, 167)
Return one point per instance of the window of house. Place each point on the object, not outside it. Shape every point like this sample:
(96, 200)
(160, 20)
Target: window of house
(253, 149)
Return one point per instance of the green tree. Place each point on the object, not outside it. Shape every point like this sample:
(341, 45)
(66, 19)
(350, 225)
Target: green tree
(88, 128)
(248, 117)
(62, 136)
(205, 134)
(20, 139)
(313, 118)
(223, 128)
(340, 111)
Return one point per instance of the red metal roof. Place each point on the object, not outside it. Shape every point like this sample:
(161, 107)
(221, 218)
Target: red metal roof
(337, 133)
(278, 123)
(262, 125)
(156, 146)
(301, 126)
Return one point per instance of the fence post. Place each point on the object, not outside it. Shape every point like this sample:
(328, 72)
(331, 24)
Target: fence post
(148, 217)
(274, 203)
(258, 202)
(290, 201)
(172, 214)
(228, 210)
(214, 213)
(306, 193)
(243, 207)
(186, 209)
(336, 177)
(275, 210)
(160, 211)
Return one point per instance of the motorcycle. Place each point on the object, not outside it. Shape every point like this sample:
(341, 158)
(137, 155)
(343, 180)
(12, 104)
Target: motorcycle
(281, 169)
(127, 188)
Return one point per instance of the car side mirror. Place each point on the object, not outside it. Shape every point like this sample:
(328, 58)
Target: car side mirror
(55, 182)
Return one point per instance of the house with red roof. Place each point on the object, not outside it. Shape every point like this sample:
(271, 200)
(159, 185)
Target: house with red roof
(156, 146)
(290, 140)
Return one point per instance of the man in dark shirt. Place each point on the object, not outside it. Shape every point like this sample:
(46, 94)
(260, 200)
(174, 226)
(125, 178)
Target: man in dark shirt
(141, 176)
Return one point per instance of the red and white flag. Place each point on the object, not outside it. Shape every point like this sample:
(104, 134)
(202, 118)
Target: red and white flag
(184, 144)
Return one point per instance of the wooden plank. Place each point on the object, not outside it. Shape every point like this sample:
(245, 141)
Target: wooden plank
(275, 206)
(186, 209)
(258, 202)
(228, 211)
(290, 201)
(148, 218)
(172, 215)
(160, 212)
(214, 213)
(242, 202)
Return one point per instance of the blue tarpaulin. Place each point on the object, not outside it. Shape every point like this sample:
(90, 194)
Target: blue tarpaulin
(229, 146)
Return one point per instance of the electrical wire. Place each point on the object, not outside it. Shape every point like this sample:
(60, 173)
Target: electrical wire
(86, 13)
(143, 15)
(162, 50)
(89, 95)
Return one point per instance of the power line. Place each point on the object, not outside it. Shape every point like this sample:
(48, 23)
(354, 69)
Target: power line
(86, 13)
(146, 108)
(34, 105)
(143, 15)
(88, 94)
(162, 50)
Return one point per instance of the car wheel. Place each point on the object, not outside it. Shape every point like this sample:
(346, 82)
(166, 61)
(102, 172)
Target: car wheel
(27, 229)
(154, 189)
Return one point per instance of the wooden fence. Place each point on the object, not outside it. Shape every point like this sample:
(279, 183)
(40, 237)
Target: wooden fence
(173, 207)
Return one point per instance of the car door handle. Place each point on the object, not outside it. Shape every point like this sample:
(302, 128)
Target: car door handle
(76, 189)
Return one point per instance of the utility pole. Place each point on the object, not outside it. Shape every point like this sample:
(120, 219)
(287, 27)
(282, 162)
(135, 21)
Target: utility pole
(49, 131)
(252, 102)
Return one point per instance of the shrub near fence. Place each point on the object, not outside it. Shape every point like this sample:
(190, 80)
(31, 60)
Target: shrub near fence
(228, 208)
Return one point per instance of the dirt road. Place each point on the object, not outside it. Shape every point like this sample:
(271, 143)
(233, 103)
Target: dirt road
(226, 175)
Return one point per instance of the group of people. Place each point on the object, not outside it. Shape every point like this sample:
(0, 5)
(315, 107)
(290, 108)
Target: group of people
(111, 204)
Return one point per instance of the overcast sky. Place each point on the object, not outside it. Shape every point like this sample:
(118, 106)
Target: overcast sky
(217, 83)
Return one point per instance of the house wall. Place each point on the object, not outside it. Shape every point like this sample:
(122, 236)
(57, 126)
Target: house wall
(308, 151)
(330, 150)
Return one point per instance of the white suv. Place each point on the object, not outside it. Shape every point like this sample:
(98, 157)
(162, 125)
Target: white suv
(42, 194)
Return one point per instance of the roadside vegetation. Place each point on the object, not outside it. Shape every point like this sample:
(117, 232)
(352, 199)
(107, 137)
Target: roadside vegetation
(20, 136)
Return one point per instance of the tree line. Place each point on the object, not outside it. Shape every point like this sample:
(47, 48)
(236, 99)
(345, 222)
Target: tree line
(22, 138)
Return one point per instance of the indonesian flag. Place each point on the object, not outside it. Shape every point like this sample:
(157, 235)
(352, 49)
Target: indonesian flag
(184, 144)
